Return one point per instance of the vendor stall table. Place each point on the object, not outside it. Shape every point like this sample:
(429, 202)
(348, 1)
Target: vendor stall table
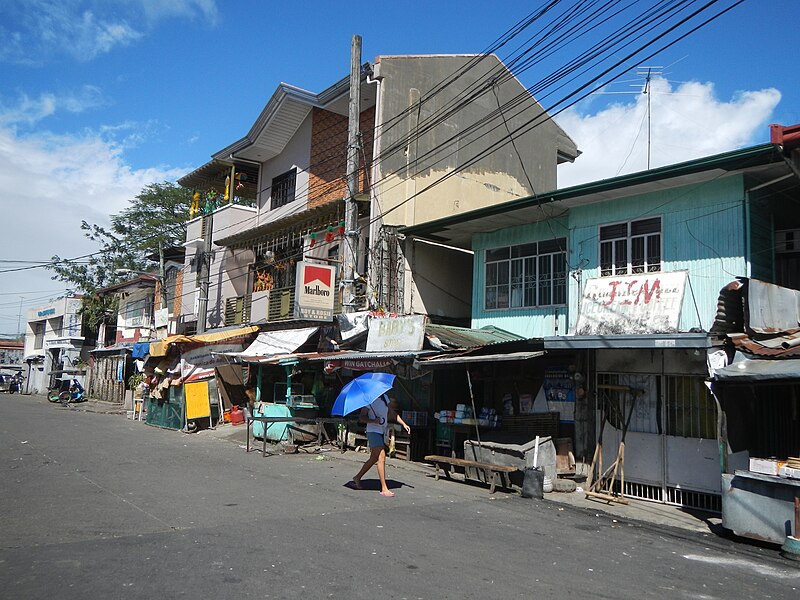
(319, 422)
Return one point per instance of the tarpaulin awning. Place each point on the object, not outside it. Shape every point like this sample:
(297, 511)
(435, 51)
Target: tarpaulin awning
(161, 347)
(273, 343)
(140, 349)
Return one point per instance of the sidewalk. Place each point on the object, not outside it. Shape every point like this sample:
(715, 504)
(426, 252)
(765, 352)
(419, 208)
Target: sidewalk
(636, 510)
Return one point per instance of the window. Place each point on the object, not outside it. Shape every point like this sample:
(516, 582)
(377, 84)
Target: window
(630, 248)
(136, 313)
(526, 275)
(283, 189)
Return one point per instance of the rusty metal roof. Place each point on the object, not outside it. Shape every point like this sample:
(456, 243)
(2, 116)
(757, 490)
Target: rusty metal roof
(782, 345)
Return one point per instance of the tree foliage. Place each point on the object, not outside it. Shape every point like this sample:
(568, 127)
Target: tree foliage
(155, 217)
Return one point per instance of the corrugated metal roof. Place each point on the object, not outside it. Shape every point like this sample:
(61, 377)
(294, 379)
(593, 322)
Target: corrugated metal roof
(783, 345)
(463, 337)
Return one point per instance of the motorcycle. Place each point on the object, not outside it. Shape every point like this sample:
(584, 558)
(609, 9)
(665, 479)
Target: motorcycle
(70, 390)
(15, 385)
(73, 394)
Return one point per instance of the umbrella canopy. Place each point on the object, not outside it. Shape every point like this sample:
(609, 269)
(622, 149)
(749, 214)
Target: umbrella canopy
(362, 391)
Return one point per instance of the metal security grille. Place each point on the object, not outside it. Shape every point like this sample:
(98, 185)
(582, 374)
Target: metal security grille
(283, 189)
(690, 409)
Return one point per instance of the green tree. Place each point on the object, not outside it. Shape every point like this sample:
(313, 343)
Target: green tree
(155, 218)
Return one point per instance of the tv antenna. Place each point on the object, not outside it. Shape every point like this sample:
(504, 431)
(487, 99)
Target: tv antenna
(647, 73)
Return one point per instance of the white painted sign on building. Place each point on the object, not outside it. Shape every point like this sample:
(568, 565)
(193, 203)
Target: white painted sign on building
(632, 304)
(396, 334)
(314, 292)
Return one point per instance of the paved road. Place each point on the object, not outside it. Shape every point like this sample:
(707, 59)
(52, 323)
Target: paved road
(96, 506)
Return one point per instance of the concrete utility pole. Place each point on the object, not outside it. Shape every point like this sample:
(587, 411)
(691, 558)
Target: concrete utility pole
(205, 271)
(350, 256)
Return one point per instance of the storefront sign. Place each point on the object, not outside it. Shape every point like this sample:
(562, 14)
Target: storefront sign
(398, 334)
(314, 292)
(46, 312)
(632, 304)
(368, 364)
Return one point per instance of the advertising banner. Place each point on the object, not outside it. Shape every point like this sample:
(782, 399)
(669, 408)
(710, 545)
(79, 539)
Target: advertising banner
(314, 292)
(632, 304)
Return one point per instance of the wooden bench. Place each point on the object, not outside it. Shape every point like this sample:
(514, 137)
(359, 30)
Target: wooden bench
(494, 473)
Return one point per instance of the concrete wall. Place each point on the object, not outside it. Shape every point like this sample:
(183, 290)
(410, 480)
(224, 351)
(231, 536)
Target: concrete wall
(438, 280)
(417, 151)
(296, 154)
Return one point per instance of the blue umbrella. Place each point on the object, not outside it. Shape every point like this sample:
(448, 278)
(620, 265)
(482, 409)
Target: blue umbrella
(362, 391)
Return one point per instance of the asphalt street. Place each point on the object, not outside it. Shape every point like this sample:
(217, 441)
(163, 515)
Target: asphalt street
(98, 506)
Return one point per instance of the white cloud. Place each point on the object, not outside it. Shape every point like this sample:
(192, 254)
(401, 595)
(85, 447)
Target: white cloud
(686, 122)
(48, 184)
(34, 31)
(29, 111)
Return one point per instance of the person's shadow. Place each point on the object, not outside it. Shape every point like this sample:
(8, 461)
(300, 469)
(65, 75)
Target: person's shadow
(374, 485)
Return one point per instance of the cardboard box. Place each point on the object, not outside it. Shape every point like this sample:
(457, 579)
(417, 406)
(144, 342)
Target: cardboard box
(766, 466)
(789, 472)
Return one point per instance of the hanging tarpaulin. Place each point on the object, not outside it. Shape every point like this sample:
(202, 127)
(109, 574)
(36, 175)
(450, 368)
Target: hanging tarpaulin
(274, 343)
(140, 349)
(631, 304)
(199, 363)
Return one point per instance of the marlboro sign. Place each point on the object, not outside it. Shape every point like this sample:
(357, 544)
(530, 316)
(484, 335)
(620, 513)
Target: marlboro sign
(314, 292)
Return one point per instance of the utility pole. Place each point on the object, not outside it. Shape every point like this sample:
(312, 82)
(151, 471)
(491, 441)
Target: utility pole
(205, 271)
(350, 256)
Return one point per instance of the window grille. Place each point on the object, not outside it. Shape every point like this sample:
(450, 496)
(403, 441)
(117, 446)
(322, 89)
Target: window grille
(630, 248)
(691, 411)
(526, 275)
(283, 189)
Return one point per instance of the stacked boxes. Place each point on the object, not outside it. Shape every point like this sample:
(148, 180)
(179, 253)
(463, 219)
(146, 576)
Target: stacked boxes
(463, 414)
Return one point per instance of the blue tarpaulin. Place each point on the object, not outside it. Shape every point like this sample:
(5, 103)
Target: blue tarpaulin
(140, 349)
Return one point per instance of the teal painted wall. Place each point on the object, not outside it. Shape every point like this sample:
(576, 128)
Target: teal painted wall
(702, 233)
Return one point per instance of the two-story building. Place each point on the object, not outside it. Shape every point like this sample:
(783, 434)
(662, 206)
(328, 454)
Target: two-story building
(619, 280)
(434, 141)
(57, 344)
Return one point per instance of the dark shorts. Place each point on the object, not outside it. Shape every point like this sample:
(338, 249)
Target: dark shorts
(375, 440)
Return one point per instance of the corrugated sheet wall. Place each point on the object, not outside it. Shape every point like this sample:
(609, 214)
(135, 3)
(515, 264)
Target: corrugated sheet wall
(702, 233)
(761, 238)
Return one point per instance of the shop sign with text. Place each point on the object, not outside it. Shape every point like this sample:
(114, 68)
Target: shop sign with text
(632, 304)
(314, 292)
(398, 334)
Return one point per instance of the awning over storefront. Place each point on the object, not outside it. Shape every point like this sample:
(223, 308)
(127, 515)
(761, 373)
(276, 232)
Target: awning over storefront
(759, 369)
(273, 343)
(649, 341)
(140, 349)
(121, 348)
(474, 358)
(161, 347)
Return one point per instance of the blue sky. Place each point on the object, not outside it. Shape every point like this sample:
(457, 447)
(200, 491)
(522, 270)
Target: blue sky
(99, 98)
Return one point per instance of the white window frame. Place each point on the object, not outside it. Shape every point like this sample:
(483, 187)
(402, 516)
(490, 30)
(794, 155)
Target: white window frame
(523, 276)
(628, 268)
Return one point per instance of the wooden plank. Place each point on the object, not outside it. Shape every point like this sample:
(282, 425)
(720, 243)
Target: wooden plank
(460, 462)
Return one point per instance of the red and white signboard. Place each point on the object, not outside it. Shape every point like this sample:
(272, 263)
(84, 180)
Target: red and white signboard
(314, 292)
(632, 304)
